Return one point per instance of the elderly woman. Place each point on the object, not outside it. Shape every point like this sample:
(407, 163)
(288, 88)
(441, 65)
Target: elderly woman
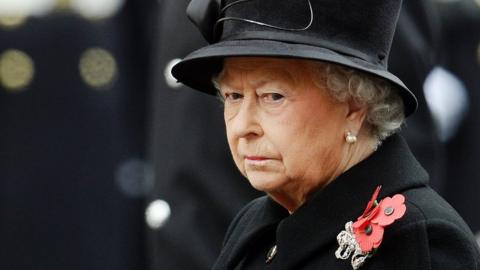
(311, 114)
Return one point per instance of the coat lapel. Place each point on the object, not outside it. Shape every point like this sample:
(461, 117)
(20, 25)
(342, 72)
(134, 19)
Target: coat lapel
(261, 217)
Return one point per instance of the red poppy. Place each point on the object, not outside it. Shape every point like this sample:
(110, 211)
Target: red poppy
(391, 209)
(369, 227)
(371, 203)
(370, 211)
(362, 220)
(369, 236)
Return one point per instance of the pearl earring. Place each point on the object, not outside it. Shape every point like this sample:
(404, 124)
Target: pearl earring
(350, 138)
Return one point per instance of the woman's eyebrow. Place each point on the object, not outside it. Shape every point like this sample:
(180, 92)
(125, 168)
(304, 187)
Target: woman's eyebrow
(269, 77)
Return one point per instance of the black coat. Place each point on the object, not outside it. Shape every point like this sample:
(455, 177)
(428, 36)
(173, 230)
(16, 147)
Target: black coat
(431, 235)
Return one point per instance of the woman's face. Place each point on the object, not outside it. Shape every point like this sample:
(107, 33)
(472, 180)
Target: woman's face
(285, 133)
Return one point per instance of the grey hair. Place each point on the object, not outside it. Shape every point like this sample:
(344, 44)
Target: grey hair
(385, 106)
(215, 81)
(385, 114)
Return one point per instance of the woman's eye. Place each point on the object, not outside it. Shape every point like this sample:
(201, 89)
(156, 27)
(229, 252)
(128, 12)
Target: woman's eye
(233, 96)
(273, 97)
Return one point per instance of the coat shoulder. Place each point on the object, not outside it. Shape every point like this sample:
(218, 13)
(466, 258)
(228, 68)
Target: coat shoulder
(426, 207)
(432, 235)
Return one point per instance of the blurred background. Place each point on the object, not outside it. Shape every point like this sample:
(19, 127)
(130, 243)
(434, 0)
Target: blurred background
(106, 162)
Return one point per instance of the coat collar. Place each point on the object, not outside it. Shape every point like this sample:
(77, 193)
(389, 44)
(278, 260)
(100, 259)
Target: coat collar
(316, 224)
(267, 213)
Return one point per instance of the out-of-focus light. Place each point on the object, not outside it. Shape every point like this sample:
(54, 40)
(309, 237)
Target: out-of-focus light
(10, 22)
(447, 99)
(26, 7)
(169, 79)
(96, 9)
(157, 214)
(16, 70)
(98, 68)
(134, 177)
(478, 3)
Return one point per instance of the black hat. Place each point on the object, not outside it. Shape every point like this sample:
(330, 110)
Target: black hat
(357, 34)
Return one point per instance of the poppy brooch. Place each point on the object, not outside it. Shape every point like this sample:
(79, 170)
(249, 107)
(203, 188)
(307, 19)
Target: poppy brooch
(361, 238)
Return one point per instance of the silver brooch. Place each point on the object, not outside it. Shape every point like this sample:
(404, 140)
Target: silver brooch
(348, 246)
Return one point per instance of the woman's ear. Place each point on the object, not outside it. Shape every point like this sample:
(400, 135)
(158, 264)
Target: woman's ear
(356, 114)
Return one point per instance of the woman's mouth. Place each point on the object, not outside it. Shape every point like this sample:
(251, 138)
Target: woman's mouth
(255, 158)
(257, 161)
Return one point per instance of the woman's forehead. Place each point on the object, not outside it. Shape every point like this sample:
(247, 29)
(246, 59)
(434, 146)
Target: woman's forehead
(262, 70)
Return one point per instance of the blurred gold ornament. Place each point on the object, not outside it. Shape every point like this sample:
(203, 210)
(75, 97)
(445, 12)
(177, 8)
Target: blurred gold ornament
(98, 68)
(16, 70)
(10, 22)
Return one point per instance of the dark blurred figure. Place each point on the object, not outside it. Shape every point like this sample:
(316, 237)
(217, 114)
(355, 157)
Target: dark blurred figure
(72, 114)
(461, 21)
(416, 50)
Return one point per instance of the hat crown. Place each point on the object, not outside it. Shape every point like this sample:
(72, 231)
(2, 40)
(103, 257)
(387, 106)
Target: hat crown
(363, 29)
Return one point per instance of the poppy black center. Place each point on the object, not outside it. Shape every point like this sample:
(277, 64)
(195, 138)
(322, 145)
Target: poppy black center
(389, 211)
(369, 229)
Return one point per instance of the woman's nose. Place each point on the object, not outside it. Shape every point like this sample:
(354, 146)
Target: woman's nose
(245, 123)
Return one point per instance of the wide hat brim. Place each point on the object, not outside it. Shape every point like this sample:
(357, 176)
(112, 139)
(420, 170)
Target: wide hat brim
(198, 68)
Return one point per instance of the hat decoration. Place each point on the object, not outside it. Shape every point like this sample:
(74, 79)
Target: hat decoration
(204, 14)
(362, 238)
(207, 16)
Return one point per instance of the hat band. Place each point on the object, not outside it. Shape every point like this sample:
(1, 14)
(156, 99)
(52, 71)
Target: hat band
(305, 40)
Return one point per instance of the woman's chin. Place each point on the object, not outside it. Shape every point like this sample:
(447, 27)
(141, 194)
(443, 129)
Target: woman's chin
(265, 181)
